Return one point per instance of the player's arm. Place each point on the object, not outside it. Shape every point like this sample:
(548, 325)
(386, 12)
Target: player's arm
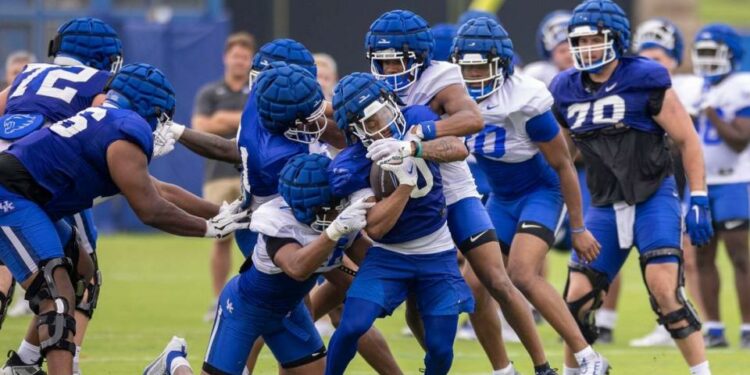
(736, 134)
(128, 168)
(464, 117)
(209, 145)
(677, 123)
(384, 215)
(186, 200)
(441, 150)
(4, 99)
(297, 261)
(357, 251)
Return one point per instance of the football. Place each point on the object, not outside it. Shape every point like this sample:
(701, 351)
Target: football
(383, 182)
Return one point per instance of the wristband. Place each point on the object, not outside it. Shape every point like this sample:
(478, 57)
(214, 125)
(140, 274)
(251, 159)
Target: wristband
(418, 149)
(578, 230)
(699, 193)
(429, 130)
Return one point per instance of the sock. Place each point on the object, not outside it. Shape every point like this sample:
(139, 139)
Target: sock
(587, 352)
(714, 328)
(246, 371)
(76, 359)
(700, 369)
(29, 353)
(439, 331)
(508, 370)
(745, 328)
(542, 367)
(178, 362)
(571, 371)
(356, 319)
(606, 318)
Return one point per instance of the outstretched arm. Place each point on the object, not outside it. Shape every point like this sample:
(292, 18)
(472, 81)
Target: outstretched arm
(208, 145)
(186, 200)
(441, 150)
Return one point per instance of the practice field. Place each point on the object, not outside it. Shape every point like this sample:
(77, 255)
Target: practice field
(156, 286)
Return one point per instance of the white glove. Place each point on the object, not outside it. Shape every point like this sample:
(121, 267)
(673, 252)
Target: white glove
(234, 208)
(165, 138)
(406, 172)
(227, 222)
(389, 150)
(351, 220)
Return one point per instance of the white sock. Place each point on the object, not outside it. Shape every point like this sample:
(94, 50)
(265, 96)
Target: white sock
(246, 371)
(178, 362)
(712, 324)
(76, 359)
(508, 370)
(745, 327)
(571, 371)
(700, 369)
(29, 353)
(587, 352)
(606, 318)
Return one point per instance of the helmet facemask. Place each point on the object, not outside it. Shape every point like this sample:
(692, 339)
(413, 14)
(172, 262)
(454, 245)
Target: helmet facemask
(711, 59)
(480, 88)
(310, 129)
(381, 119)
(583, 56)
(398, 81)
(325, 215)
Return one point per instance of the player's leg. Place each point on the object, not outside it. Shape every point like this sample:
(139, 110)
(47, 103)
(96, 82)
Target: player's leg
(296, 345)
(7, 287)
(606, 317)
(474, 232)
(357, 318)
(440, 332)
(736, 243)
(172, 360)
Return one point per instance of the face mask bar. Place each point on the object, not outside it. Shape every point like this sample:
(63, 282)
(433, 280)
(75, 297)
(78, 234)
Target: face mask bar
(386, 112)
(582, 55)
(324, 217)
(398, 81)
(252, 76)
(657, 33)
(480, 88)
(711, 59)
(308, 131)
(116, 65)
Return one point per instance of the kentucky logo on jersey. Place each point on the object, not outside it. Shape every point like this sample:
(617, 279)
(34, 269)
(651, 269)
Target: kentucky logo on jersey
(7, 206)
(17, 126)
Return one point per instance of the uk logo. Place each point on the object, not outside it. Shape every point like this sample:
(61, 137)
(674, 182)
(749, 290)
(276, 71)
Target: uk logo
(384, 41)
(7, 206)
(16, 123)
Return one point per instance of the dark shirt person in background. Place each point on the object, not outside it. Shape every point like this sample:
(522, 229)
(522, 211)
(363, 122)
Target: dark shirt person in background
(217, 110)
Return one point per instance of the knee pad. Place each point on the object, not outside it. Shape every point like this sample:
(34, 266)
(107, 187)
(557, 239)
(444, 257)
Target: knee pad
(599, 283)
(60, 323)
(687, 311)
(72, 252)
(87, 303)
(5, 301)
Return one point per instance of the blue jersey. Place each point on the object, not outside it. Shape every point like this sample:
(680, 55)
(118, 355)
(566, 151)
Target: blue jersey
(623, 147)
(55, 92)
(69, 159)
(263, 154)
(425, 212)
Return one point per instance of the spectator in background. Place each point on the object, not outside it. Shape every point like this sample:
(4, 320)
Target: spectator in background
(218, 108)
(14, 65)
(328, 74)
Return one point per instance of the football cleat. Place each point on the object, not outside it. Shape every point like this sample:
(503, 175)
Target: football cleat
(177, 347)
(658, 337)
(15, 366)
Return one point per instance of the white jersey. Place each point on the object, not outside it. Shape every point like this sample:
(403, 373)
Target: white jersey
(544, 71)
(505, 114)
(458, 183)
(275, 219)
(724, 165)
(688, 88)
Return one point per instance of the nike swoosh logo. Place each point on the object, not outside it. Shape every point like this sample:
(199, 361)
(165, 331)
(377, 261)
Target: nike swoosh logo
(697, 213)
(733, 224)
(527, 226)
(609, 88)
(474, 238)
(493, 106)
(411, 169)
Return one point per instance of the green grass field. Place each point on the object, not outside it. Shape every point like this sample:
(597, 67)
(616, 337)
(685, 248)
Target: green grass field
(158, 286)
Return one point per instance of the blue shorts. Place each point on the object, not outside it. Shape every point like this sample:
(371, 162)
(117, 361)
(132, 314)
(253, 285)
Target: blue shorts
(539, 212)
(246, 240)
(291, 336)
(467, 218)
(657, 225)
(27, 237)
(730, 205)
(84, 223)
(386, 278)
(480, 179)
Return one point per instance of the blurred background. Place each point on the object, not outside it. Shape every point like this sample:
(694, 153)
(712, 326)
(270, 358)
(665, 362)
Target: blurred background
(185, 38)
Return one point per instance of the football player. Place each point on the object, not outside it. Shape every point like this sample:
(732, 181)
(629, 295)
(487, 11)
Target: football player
(552, 46)
(617, 110)
(724, 128)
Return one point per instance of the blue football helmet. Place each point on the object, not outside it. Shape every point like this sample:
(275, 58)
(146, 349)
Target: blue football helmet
(403, 36)
(483, 42)
(145, 90)
(89, 41)
(659, 33)
(290, 102)
(443, 34)
(717, 51)
(598, 17)
(471, 14)
(368, 108)
(287, 50)
(303, 183)
(553, 30)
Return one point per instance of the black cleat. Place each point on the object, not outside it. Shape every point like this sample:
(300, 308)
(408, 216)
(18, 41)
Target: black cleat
(606, 336)
(15, 366)
(547, 371)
